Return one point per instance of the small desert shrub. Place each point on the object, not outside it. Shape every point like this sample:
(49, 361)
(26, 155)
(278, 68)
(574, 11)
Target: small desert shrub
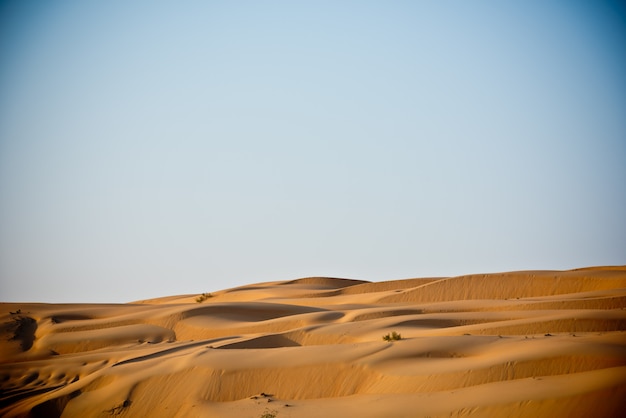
(120, 408)
(394, 336)
(23, 329)
(269, 414)
(203, 297)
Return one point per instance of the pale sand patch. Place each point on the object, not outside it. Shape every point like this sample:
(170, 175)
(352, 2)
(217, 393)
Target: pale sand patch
(520, 344)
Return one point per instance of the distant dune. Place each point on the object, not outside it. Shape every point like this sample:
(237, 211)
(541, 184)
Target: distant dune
(519, 344)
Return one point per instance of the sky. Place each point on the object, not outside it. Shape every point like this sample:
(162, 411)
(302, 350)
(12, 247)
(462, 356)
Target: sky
(154, 148)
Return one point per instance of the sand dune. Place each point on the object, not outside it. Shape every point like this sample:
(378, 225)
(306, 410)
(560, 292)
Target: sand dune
(519, 344)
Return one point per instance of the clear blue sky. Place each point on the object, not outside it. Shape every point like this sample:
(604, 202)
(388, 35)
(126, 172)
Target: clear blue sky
(152, 148)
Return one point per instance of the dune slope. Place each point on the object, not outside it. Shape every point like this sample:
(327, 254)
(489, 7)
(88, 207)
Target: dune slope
(519, 344)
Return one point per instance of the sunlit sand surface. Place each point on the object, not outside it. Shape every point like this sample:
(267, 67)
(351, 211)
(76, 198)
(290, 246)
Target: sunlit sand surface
(519, 344)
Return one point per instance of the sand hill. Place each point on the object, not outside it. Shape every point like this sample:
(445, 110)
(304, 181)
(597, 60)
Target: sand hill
(519, 344)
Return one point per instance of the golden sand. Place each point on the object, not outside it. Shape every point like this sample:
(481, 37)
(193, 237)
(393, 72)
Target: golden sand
(519, 344)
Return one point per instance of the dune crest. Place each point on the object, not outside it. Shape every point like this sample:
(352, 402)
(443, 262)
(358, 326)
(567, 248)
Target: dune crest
(518, 344)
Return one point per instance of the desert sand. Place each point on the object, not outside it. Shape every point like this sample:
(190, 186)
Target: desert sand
(518, 344)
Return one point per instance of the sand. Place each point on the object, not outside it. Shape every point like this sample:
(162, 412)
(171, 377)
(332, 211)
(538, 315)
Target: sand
(519, 344)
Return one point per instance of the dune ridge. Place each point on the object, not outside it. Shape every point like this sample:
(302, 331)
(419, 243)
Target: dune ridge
(524, 344)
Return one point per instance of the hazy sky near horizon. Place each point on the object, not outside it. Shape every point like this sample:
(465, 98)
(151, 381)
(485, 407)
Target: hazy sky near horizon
(153, 148)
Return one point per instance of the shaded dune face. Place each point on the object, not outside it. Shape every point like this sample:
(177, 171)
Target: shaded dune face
(536, 343)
